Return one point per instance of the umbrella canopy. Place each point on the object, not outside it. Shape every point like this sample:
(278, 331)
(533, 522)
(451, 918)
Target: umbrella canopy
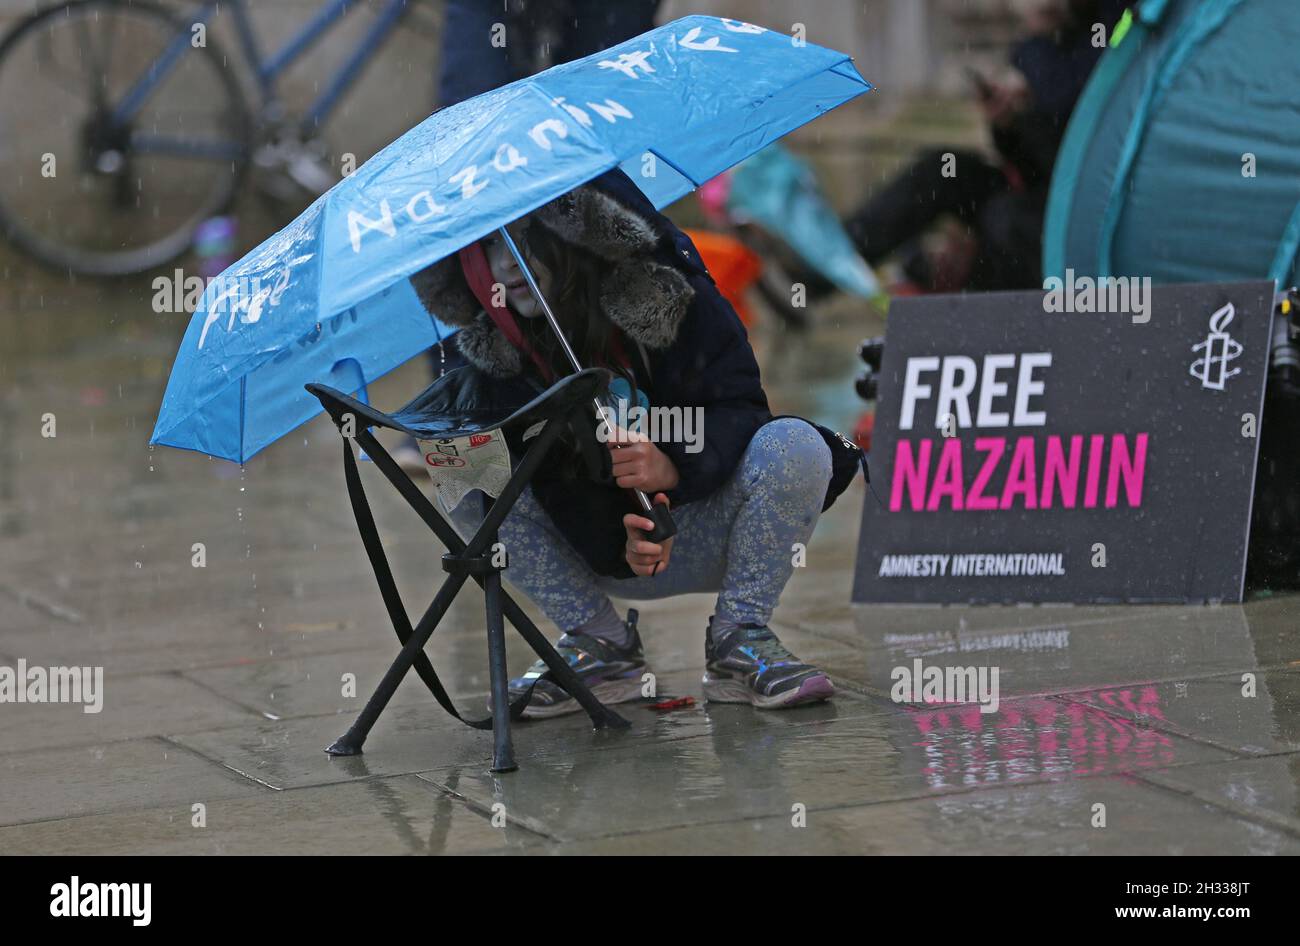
(327, 299)
(779, 191)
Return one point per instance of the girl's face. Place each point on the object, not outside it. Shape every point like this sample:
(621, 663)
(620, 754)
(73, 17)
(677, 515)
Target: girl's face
(505, 271)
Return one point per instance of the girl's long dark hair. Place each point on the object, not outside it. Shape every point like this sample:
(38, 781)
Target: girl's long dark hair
(574, 296)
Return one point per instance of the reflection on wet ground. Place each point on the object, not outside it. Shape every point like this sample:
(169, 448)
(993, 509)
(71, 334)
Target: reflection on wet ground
(1119, 729)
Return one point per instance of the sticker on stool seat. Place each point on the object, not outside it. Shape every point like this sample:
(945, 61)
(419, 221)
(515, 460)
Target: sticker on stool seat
(459, 464)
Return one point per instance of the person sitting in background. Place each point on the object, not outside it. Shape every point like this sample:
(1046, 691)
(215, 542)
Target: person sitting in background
(999, 205)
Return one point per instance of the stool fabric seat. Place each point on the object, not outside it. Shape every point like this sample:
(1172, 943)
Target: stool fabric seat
(465, 401)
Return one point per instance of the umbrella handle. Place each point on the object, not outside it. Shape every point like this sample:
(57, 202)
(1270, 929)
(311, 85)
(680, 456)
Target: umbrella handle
(664, 528)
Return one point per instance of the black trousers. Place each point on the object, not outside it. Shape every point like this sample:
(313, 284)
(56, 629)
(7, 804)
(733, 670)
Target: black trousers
(1008, 223)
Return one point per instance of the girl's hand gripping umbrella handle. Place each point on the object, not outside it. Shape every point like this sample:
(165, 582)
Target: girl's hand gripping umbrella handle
(663, 520)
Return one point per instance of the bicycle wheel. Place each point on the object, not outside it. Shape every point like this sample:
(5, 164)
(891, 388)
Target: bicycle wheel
(118, 137)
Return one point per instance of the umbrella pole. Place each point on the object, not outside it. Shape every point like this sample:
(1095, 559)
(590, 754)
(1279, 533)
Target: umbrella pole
(664, 525)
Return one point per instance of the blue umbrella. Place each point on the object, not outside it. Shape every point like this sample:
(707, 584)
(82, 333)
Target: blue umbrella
(780, 191)
(327, 299)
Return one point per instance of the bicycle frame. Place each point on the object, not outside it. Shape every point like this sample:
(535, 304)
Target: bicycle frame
(267, 70)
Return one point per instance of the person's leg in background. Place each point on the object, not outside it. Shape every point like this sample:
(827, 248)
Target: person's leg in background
(931, 186)
(590, 26)
(1010, 242)
(470, 64)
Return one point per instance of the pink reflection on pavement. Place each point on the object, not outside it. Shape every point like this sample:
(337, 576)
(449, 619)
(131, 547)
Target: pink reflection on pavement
(1040, 737)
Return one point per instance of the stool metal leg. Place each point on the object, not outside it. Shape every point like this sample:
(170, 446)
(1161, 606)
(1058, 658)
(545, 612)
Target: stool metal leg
(503, 753)
(350, 742)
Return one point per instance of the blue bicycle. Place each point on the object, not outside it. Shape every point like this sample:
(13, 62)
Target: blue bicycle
(123, 128)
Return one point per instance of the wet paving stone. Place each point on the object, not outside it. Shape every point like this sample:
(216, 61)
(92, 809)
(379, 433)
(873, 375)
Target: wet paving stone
(1267, 788)
(400, 815)
(1055, 819)
(313, 685)
(1039, 651)
(52, 784)
(128, 708)
(763, 765)
(1252, 713)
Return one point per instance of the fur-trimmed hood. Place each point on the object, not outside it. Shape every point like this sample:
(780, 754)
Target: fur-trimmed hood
(643, 288)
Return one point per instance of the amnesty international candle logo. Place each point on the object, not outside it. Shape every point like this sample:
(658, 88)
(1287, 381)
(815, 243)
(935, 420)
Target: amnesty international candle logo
(1220, 348)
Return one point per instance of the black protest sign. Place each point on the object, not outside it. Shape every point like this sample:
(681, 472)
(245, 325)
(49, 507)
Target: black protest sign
(1057, 447)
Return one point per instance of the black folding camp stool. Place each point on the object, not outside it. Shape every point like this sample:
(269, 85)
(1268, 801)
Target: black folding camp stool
(438, 413)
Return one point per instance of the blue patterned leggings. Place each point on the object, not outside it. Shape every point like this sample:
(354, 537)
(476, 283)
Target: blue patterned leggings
(739, 541)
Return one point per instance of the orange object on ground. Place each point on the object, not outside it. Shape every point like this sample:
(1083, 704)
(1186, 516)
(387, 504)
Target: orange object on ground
(733, 266)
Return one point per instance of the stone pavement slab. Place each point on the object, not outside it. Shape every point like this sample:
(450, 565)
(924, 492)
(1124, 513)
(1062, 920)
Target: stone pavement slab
(1215, 710)
(763, 766)
(130, 707)
(1267, 789)
(399, 815)
(51, 784)
(1052, 819)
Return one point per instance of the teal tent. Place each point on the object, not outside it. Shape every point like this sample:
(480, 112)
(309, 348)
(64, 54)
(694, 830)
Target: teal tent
(1182, 159)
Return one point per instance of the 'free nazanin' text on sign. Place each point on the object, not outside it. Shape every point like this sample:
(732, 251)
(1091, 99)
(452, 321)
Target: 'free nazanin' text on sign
(1028, 455)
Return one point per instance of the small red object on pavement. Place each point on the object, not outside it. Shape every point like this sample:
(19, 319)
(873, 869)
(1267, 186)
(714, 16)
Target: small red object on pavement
(863, 430)
(672, 703)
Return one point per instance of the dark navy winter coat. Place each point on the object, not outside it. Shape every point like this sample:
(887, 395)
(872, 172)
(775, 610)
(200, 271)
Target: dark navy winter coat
(658, 292)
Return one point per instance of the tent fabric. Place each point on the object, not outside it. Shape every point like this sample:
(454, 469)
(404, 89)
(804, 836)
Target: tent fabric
(1153, 178)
